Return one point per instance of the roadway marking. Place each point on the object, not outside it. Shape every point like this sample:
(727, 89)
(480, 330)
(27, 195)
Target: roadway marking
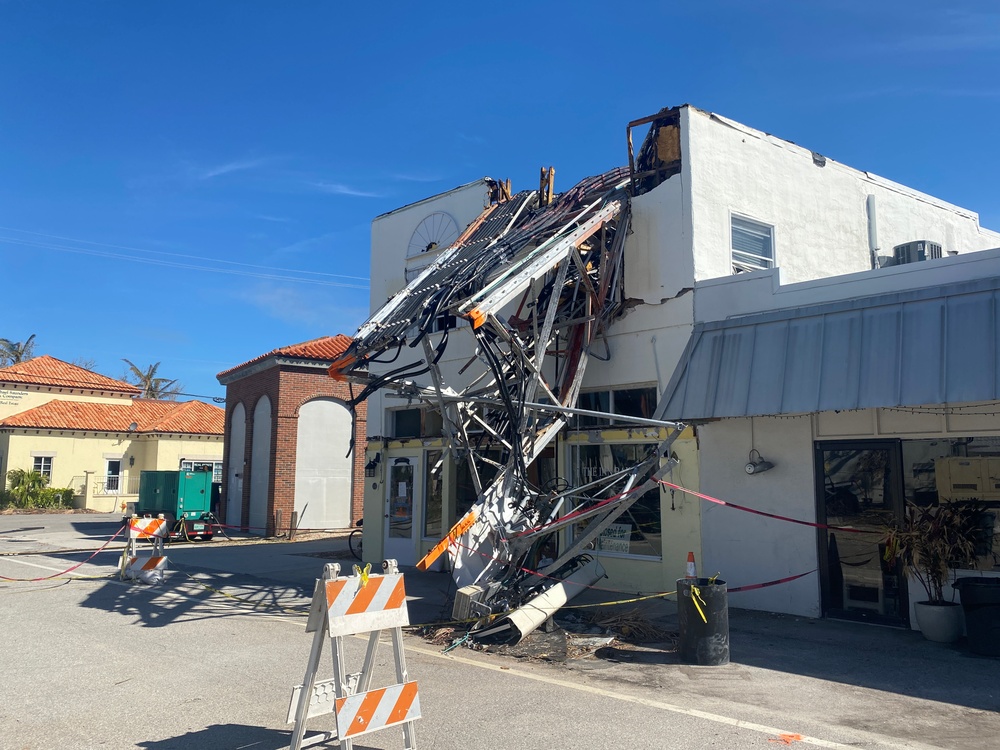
(693, 712)
(34, 565)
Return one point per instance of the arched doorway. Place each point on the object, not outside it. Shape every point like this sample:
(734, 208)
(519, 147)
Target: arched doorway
(323, 467)
(234, 479)
(260, 466)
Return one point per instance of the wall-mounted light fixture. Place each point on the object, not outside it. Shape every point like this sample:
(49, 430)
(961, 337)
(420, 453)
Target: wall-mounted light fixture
(371, 468)
(757, 465)
(131, 460)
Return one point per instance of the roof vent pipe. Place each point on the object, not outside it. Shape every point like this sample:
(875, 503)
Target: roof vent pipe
(872, 230)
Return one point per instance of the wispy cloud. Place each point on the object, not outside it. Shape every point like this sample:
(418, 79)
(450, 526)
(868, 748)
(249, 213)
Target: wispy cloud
(241, 165)
(309, 243)
(411, 177)
(951, 31)
(891, 92)
(476, 139)
(339, 188)
(279, 219)
(290, 305)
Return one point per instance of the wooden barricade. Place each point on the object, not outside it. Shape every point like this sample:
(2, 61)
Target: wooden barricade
(343, 606)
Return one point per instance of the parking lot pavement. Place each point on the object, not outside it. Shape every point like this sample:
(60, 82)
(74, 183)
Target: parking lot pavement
(208, 659)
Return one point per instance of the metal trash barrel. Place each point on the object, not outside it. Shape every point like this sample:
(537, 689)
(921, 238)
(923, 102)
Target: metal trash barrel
(981, 603)
(703, 640)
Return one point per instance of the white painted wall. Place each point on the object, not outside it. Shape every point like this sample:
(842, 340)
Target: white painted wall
(746, 548)
(659, 259)
(260, 466)
(819, 214)
(323, 466)
(234, 482)
(391, 234)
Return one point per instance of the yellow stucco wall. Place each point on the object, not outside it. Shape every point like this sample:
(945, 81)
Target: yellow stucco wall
(74, 454)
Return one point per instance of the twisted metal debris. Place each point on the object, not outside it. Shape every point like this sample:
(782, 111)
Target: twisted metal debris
(540, 282)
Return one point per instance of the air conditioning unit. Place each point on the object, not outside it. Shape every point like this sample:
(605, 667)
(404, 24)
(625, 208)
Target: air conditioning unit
(466, 599)
(912, 252)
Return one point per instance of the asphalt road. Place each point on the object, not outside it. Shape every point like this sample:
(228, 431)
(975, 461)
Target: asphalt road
(97, 663)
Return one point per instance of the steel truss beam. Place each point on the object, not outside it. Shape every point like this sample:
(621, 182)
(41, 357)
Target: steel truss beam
(562, 264)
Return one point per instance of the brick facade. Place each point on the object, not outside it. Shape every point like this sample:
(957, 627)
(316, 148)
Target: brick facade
(288, 387)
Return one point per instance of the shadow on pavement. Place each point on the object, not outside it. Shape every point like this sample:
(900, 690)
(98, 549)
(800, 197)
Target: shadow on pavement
(231, 736)
(180, 599)
(103, 529)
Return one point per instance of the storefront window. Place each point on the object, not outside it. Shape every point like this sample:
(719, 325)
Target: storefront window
(637, 531)
(433, 494)
(628, 402)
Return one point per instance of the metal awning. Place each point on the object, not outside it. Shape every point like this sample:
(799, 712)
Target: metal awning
(936, 345)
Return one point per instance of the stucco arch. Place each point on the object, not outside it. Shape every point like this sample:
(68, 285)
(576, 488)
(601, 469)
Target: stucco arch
(260, 466)
(323, 467)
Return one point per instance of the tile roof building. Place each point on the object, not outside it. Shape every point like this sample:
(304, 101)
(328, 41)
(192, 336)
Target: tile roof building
(89, 432)
(290, 441)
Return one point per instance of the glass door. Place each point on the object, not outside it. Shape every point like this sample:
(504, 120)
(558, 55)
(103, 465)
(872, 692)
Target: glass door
(400, 543)
(113, 476)
(860, 489)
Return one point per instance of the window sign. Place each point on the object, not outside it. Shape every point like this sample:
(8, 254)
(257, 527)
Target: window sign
(615, 538)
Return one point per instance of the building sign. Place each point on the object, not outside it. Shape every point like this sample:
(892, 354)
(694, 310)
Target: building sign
(11, 398)
(615, 538)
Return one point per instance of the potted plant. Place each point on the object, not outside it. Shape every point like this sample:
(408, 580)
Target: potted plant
(931, 541)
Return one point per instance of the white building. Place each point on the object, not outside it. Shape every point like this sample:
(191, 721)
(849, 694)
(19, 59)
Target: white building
(711, 198)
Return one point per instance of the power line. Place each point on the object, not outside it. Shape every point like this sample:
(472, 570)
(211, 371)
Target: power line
(189, 266)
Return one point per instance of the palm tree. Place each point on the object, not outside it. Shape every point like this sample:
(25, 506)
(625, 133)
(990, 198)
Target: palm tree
(152, 386)
(14, 352)
(25, 485)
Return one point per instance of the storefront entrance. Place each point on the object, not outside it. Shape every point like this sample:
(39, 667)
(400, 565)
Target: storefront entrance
(860, 489)
(400, 507)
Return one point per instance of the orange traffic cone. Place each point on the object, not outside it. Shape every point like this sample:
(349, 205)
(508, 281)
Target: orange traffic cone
(691, 570)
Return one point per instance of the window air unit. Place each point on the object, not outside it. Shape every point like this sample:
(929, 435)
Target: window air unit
(915, 251)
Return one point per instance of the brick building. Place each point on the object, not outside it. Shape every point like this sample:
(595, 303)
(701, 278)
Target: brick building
(292, 443)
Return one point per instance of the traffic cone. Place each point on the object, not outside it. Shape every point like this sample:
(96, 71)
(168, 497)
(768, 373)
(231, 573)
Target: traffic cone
(691, 570)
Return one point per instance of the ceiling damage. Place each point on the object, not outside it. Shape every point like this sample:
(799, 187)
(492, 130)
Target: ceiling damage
(539, 278)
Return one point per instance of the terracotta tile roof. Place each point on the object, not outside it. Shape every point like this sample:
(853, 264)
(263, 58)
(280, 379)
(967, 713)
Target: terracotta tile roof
(188, 417)
(46, 370)
(325, 348)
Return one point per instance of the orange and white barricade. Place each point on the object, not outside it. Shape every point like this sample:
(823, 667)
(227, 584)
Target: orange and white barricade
(343, 606)
(151, 569)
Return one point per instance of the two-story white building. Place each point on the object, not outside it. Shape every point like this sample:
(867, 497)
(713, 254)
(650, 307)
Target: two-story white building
(716, 209)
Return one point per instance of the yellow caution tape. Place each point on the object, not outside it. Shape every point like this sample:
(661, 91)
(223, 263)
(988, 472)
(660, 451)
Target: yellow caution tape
(696, 598)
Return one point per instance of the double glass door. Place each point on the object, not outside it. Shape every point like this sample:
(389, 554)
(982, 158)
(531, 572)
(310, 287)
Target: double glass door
(860, 491)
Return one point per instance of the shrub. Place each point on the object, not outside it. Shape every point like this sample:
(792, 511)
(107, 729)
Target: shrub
(55, 497)
(25, 486)
(6, 500)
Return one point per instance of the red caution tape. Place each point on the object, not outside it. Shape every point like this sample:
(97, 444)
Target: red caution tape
(71, 568)
(752, 586)
(717, 501)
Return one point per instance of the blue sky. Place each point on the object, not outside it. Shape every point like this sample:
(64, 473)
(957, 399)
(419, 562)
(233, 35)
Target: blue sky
(193, 183)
